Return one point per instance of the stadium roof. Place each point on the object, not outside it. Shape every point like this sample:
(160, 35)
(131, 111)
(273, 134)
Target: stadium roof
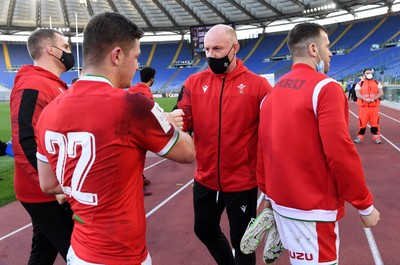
(168, 15)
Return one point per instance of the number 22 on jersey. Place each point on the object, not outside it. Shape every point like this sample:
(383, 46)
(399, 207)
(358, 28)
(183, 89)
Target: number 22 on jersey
(67, 148)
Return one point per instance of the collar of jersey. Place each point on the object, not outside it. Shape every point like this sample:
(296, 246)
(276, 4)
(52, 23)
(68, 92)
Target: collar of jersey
(97, 78)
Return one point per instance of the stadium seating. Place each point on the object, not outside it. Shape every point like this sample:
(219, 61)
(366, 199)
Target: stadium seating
(356, 45)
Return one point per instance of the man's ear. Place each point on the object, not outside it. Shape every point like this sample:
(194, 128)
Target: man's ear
(236, 48)
(312, 49)
(117, 56)
(49, 49)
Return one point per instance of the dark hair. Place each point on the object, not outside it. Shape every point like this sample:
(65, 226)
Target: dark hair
(37, 39)
(104, 31)
(301, 33)
(367, 69)
(146, 74)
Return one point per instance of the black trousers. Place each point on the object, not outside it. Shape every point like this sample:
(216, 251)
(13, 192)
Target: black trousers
(208, 208)
(52, 227)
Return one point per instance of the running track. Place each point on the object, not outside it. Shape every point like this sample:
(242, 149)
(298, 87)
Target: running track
(170, 236)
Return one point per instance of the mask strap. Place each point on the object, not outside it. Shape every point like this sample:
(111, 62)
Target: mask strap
(57, 49)
(230, 61)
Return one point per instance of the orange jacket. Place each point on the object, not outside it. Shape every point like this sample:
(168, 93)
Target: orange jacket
(369, 89)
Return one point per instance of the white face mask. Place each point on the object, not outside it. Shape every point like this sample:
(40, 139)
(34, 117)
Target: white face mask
(368, 76)
(321, 65)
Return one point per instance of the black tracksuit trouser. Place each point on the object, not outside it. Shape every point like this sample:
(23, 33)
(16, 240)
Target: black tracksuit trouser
(52, 228)
(208, 208)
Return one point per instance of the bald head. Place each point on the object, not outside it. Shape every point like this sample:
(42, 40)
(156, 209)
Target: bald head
(222, 32)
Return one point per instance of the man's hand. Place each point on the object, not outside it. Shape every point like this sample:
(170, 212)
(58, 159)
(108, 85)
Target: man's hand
(177, 118)
(61, 198)
(371, 219)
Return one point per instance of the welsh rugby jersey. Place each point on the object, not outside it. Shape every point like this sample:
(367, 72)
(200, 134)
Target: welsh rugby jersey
(95, 137)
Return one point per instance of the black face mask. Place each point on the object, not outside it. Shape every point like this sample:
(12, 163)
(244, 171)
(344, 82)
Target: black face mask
(219, 65)
(67, 59)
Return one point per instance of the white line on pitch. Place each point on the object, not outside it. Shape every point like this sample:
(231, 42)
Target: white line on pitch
(15, 231)
(372, 245)
(389, 117)
(169, 198)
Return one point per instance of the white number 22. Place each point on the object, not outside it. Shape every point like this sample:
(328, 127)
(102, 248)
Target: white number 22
(67, 148)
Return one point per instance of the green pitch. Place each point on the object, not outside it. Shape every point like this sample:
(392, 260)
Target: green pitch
(6, 163)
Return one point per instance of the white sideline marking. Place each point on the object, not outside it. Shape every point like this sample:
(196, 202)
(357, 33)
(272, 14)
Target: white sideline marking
(372, 245)
(30, 224)
(168, 199)
(389, 117)
(16, 231)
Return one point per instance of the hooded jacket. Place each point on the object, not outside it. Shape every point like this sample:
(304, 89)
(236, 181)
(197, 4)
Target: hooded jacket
(223, 112)
(34, 88)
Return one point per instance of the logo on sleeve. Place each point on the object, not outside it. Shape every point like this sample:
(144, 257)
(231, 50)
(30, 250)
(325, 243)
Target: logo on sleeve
(205, 87)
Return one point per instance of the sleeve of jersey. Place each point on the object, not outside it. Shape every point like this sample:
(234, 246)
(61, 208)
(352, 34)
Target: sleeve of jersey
(157, 134)
(186, 105)
(340, 152)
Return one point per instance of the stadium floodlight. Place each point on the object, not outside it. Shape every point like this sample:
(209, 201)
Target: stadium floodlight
(320, 9)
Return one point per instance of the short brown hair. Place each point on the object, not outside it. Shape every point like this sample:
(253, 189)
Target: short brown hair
(302, 33)
(37, 39)
(103, 31)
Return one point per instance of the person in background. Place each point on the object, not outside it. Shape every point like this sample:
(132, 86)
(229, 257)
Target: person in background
(6, 149)
(221, 106)
(307, 165)
(350, 89)
(147, 75)
(368, 92)
(96, 136)
(35, 86)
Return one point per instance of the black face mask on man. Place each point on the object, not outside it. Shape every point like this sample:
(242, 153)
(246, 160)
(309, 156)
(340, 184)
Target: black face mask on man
(67, 59)
(219, 65)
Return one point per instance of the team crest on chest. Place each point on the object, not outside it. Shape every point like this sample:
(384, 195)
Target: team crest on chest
(241, 88)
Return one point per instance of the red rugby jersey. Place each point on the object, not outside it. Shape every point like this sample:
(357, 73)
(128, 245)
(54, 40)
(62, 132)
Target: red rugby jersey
(96, 137)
